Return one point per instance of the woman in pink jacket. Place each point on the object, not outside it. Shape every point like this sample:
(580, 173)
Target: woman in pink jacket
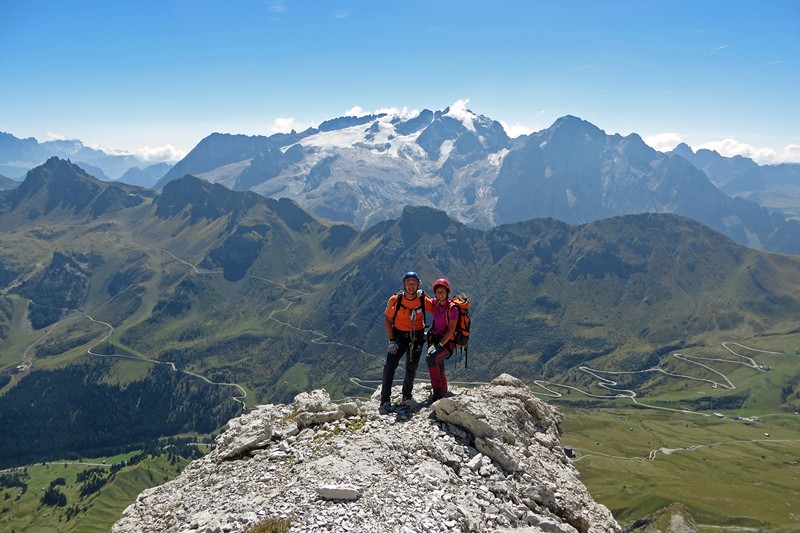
(440, 336)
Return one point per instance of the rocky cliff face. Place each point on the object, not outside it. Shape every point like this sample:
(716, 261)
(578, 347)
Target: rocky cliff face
(483, 459)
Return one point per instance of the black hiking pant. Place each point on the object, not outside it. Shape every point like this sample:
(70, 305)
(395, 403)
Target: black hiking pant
(404, 346)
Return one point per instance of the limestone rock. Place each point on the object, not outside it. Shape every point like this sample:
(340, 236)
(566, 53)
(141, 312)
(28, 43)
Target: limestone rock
(485, 459)
(338, 492)
(245, 433)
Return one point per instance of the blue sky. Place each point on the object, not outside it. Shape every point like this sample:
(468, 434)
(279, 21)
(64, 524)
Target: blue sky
(155, 77)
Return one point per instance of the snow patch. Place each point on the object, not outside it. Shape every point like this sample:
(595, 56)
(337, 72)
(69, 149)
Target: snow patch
(444, 151)
(383, 141)
(496, 159)
(344, 138)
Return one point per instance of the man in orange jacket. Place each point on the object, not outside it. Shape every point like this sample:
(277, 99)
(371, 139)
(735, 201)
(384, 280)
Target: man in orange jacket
(405, 328)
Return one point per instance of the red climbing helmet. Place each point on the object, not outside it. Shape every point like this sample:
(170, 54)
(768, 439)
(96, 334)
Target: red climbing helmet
(443, 282)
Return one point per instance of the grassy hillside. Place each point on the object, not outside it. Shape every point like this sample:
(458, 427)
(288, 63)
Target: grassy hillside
(256, 292)
(729, 474)
(732, 467)
(94, 491)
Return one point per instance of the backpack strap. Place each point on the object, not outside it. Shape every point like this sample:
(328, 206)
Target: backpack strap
(450, 307)
(422, 297)
(397, 304)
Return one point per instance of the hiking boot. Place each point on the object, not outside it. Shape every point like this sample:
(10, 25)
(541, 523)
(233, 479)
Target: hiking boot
(385, 408)
(437, 395)
(408, 400)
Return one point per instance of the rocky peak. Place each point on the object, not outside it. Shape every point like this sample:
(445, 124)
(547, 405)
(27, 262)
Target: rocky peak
(58, 182)
(483, 459)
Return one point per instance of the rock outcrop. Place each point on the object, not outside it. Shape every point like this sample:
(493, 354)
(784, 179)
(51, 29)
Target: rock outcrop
(674, 518)
(483, 459)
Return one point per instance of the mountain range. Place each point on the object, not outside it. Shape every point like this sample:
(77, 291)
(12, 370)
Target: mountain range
(363, 170)
(774, 186)
(7, 183)
(18, 156)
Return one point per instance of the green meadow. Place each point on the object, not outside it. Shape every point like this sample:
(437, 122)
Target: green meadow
(732, 474)
(84, 509)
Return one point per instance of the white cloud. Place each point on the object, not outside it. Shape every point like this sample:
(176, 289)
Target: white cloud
(460, 112)
(284, 125)
(403, 113)
(50, 136)
(157, 154)
(663, 142)
(355, 111)
(791, 154)
(276, 7)
(732, 147)
(148, 154)
(516, 130)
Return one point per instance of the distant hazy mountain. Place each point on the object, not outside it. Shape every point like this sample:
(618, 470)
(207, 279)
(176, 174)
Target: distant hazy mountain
(93, 170)
(7, 183)
(147, 176)
(773, 186)
(365, 169)
(18, 156)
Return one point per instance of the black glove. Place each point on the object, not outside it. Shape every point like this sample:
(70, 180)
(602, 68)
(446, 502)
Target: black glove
(392, 349)
(435, 348)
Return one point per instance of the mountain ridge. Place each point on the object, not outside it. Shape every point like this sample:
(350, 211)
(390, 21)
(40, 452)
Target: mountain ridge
(354, 169)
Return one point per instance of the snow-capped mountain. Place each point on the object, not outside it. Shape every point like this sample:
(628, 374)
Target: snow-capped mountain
(364, 169)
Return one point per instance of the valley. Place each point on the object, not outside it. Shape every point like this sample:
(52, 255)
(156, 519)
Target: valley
(633, 458)
(605, 380)
(729, 474)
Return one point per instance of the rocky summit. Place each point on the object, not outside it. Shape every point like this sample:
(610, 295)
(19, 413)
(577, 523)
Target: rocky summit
(482, 459)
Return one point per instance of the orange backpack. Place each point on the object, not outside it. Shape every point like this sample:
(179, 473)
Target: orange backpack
(461, 337)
